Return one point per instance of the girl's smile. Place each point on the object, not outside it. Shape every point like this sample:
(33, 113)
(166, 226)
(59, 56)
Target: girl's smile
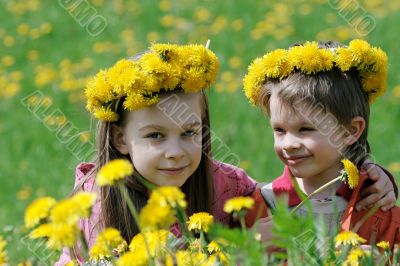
(173, 170)
(165, 147)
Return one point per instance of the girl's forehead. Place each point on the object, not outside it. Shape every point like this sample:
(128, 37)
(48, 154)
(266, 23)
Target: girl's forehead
(172, 110)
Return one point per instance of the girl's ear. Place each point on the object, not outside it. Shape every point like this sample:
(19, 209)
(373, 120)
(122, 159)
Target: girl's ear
(118, 139)
(356, 128)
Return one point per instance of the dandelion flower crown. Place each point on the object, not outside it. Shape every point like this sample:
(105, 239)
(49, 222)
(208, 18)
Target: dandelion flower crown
(165, 67)
(370, 62)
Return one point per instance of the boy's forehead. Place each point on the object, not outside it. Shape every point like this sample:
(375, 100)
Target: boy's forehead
(300, 112)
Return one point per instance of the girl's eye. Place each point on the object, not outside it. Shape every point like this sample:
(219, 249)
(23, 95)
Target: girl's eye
(155, 135)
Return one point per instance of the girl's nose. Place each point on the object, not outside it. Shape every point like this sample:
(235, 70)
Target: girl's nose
(174, 150)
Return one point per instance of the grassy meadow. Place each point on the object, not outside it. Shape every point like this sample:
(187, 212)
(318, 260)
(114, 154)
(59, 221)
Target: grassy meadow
(48, 49)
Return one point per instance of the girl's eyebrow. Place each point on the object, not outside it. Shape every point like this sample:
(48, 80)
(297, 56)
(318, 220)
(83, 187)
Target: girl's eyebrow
(154, 127)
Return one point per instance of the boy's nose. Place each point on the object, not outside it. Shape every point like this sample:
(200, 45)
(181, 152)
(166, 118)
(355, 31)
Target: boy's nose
(291, 142)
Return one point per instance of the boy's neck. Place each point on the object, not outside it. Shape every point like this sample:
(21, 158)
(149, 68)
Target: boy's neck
(310, 184)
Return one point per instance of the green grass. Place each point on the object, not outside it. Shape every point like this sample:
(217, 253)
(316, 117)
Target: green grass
(34, 160)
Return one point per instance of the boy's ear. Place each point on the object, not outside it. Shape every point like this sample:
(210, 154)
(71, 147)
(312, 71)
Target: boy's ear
(356, 128)
(118, 139)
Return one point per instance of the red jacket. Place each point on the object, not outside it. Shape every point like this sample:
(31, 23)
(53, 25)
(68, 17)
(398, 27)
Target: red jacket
(380, 226)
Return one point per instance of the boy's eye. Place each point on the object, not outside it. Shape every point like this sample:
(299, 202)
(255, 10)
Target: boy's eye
(189, 133)
(155, 135)
(306, 129)
(279, 130)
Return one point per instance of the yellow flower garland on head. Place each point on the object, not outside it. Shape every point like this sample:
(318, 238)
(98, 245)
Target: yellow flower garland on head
(370, 62)
(165, 67)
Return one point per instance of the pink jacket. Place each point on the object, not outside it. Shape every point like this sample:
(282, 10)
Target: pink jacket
(230, 182)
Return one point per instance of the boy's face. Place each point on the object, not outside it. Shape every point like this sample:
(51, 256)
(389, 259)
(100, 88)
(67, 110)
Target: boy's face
(164, 140)
(301, 145)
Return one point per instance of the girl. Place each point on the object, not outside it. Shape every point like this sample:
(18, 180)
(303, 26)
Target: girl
(153, 111)
(317, 97)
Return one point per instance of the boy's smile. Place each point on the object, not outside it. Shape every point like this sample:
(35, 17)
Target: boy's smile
(301, 146)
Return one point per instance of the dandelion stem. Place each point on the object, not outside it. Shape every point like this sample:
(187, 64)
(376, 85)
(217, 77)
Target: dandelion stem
(320, 189)
(134, 212)
(84, 244)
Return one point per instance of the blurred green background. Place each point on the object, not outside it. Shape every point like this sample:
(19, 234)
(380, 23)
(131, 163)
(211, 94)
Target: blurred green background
(48, 49)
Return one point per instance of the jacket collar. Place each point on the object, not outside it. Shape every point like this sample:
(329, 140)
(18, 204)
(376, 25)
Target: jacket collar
(284, 185)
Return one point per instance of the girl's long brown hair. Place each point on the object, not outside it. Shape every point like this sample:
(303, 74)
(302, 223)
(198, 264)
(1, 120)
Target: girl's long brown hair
(199, 188)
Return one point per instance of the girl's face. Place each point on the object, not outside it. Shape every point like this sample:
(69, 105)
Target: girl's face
(164, 141)
(300, 144)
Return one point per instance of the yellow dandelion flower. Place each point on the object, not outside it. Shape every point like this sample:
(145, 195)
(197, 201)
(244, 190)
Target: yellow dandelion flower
(133, 259)
(276, 64)
(348, 238)
(168, 195)
(353, 259)
(105, 114)
(85, 200)
(99, 88)
(166, 51)
(193, 79)
(99, 251)
(57, 235)
(183, 258)
(218, 258)
(352, 173)
(327, 59)
(237, 204)
(344, 59)
(307, 58)
(122, 75)
(72, 209)
(106, 242)
(71, 263)
(172, 76)
(3, 252)
(136, 101)
(38, 210)
(200, 221)
(383, 245)
(93, 104)
(380, 62)
(213, 247)
(156, 240)
(360, 50)
(114, 171)
(121, 248)
(253, 81)
(164, 67)
(374, 83)
(155, 216)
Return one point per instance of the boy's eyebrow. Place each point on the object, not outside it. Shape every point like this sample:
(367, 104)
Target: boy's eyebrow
(193, 124)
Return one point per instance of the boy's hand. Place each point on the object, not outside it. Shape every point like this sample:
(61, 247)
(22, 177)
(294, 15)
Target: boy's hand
(380, 193)
(265, 229)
